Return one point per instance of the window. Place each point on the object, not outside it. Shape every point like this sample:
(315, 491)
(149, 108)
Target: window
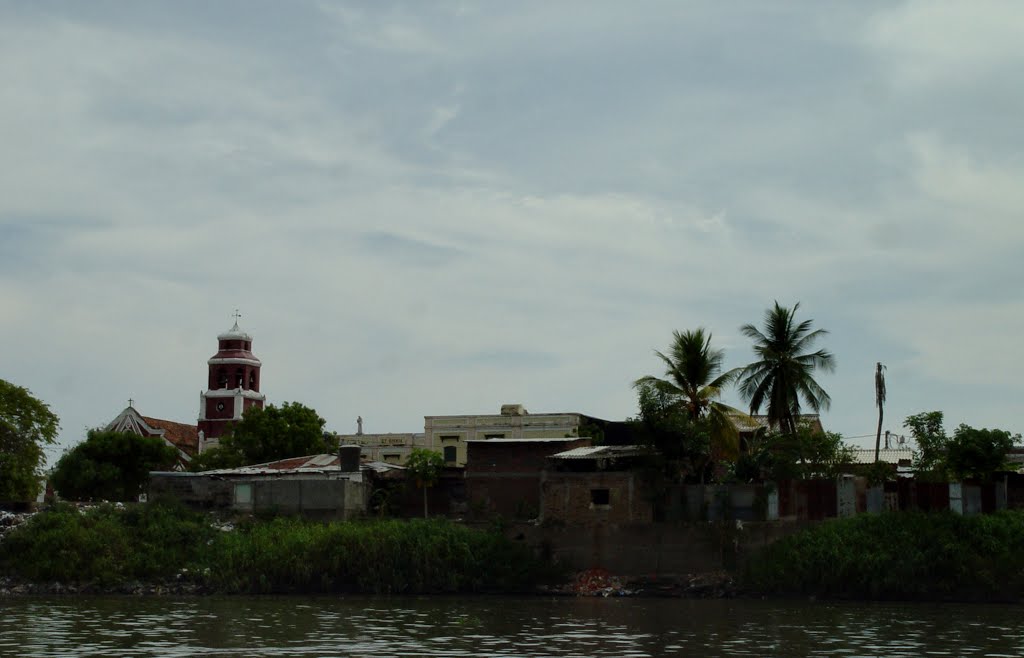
(451, 454)
(243, 494)
(500, 435)
(449, 437)
(600, 497)
(392, 457)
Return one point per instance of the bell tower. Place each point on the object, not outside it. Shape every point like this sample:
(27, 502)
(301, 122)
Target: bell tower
(233, 385)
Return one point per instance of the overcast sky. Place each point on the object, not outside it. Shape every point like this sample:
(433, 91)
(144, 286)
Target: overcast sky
(436, 208)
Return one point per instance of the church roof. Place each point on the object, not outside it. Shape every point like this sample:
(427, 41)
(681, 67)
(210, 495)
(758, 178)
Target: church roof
(180, 435)
(234, 333)
(184, 437)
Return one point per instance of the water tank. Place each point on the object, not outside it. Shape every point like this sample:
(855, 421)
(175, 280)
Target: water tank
(348, 458)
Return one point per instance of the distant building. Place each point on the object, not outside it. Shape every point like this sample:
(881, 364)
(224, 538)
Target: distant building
(450, 435)
(183, 437)
(388, 448)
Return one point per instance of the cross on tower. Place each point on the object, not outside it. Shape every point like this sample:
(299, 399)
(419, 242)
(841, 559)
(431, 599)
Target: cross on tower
(130, 402)
(236, 315)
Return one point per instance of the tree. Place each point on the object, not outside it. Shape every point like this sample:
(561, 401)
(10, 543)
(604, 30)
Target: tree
(111, 466)
(272, 433)
(693, 382)
(26, 425)
(681, 445)
(978, 453)
(880, 403)
(969, 453)
(783, 375)
(930, 437)
(425, 467)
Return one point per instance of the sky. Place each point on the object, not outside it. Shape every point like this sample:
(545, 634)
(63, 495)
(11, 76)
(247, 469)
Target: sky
(437, 208)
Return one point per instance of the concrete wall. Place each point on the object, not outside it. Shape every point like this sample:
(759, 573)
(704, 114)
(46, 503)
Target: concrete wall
(308, 495)
(652, 548)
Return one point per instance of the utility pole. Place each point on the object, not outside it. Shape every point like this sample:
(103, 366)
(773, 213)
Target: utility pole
(879, 402)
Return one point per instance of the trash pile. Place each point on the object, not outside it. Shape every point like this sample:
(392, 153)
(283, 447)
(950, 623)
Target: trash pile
(10, 520)
(598, 582)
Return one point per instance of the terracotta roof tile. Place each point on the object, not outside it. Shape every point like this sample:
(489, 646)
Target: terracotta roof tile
(184, 437)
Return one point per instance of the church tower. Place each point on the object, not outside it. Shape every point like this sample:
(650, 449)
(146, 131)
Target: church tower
(233, 385)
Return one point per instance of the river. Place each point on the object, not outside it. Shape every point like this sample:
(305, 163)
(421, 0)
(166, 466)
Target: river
(498, 626)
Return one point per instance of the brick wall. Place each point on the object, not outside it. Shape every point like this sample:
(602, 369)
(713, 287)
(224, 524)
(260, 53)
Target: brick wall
(578, 498)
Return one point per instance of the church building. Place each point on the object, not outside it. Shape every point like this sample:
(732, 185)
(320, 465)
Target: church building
(233, 385)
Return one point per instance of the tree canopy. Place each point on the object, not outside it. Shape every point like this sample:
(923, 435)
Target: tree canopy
(111, 466)
(424, 467)
(693, 382)
(783, 374)
(26, 425)
(268, 434)
(969, 453)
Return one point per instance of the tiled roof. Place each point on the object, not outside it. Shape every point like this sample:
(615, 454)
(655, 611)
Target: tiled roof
(184, 437)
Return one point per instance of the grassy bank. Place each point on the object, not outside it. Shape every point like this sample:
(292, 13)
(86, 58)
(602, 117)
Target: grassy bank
(107, 547)
(898, 556)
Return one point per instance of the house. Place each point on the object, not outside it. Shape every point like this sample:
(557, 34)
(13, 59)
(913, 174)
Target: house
(594, 485)
(183, 437)
(503, 476)
(332, 486)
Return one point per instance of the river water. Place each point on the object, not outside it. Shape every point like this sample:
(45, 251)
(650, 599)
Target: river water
(499, 626)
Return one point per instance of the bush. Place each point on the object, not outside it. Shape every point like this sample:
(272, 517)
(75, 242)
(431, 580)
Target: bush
(905, 555)
(110, 546)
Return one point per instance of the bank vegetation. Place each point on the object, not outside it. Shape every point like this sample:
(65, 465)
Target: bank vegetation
(109, 547)
(898, 556)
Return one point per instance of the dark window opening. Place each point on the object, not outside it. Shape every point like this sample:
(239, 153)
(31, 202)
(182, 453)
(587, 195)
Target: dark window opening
(600, 497)
(495, 436)
(252, 379)
(450, 454)
(222, 378)
(238, 378)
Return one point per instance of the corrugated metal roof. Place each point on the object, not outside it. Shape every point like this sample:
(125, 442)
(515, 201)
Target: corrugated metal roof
(888, 456)
(601, 452)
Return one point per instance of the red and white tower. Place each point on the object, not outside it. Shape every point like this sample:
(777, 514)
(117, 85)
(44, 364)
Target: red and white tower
(233, 385)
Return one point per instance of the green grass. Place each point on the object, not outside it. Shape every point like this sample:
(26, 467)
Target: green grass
(108, 547)
(908, 555)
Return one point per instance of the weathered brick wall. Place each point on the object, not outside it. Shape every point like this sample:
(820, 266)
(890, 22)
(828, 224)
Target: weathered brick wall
(527, 456)
(569, 498)
(513, 496)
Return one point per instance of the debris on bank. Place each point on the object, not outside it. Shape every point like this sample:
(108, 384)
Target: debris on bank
(11, 520)
(599, 582)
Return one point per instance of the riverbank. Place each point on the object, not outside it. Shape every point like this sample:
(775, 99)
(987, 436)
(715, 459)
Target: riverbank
(161, 549)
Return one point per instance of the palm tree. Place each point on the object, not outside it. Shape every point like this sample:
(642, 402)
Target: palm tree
(880, 403)
(783, 375)
(694, 377)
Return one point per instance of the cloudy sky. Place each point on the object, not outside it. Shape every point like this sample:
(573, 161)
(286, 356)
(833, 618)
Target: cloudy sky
(436, 208)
